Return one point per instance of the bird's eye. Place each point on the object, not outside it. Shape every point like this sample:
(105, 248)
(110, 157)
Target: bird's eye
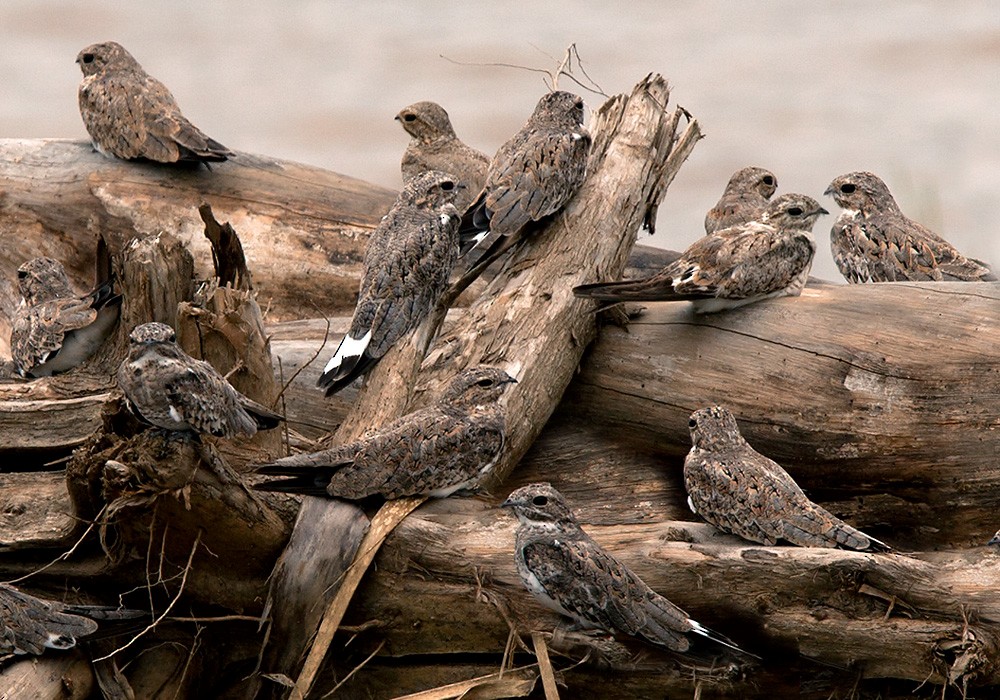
(21, 274)
(692, 423)
(578, 104)
(88, 58)
(540, 500)
(483, 382)
(847, 188)
(409, 117)
(447, 185)
(768, 180)
(795, 211)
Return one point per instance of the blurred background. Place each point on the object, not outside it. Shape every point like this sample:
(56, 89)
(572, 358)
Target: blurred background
(809, 90)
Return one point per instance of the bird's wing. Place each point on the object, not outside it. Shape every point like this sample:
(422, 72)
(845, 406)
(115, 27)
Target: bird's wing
(206, 401)
(38, 332)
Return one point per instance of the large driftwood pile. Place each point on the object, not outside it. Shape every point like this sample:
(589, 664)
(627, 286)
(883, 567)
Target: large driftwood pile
(880, 400)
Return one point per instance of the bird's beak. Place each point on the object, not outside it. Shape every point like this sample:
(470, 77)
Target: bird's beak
(510, 504)
(510, 380)
(829, 191)
(995, 540)
(396, 117)
(821, 211)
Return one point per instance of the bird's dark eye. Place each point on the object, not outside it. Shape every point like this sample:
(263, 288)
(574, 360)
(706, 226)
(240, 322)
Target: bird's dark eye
(692, 423)
(768, 180)
(88, 58)
(447, 185)
(847, 188)
(483, 382)
(21, 274)
(540, 500)
(795, 211)
(578, 104)
(409, 117)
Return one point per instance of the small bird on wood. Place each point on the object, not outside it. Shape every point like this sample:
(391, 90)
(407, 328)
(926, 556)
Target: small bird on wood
(435, 146)
(169, 389)
(744, 200)
(407, 263)
(571, 574)
(740, 491)
(434, 451)
(533, 175)
(132, 115)
(55, 330)
(30, 625)
(740, 265)
(872, 241)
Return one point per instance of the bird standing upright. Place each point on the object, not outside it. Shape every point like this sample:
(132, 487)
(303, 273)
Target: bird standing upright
(741, 491)
(169, 389)
(131, 115)
(571, 574)
(744, 199)
(532, 176)
(435, 451)
(740, 265)
(408, 261)
(55, 330)
(873, 241)
(435, 146)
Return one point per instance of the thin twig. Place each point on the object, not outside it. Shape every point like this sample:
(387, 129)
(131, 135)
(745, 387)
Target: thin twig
(64, 555)
(163, 615)
(355, 670)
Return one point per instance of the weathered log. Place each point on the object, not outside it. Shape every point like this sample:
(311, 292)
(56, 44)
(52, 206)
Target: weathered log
(65, 676)
(527, 321)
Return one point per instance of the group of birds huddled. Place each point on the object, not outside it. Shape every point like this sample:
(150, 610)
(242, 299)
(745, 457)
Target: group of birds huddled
(454, 200)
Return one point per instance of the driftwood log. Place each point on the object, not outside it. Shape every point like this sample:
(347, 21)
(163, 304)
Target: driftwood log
(880, 400)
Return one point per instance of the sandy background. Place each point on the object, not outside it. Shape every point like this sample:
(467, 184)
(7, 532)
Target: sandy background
(910, 90)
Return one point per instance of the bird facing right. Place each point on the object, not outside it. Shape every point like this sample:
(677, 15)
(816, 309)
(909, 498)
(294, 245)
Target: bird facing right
(740, 265)
(873, 241)
(570, 573)
(434, 451)
(533, 175)
(435, 146)
(744, 199)
(407, 263)
(744, 493)
(131, 115)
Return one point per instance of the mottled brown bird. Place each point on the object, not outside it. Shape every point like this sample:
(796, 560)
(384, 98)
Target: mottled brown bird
(435, 451)
(30, 625)
(732, 267)
(407, 263)
(533, 175)
(872, 241)
(741, 491)
(435, 146)
(570, 573)
(132, 115)
(169, 389)
(744, 200)
(55, 330)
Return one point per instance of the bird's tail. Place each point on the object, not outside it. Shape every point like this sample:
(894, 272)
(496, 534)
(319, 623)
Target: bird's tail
(303, 477)
(475, 224)
(265, 418)
(648, 289)
(714, 636)
(348, 363)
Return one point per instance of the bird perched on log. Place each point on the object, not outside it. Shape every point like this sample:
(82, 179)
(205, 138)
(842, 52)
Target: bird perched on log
(435, 146)
(434, 451)
(744, 200)
(740, 265)
(571, 574)
(873, 241)
(407, 263)
(131, 115)
(169, 389)
(30, 625)
(740, 491)
(532, 176)
(55, 330)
